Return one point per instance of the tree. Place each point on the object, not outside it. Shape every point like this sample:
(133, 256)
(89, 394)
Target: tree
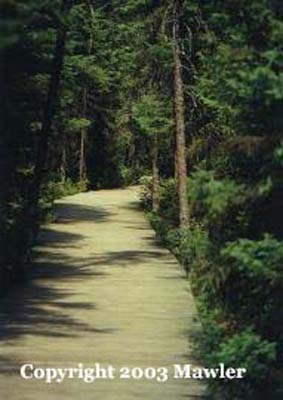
(179, 100)
(49, 111)
(152, 114)
(27, 118)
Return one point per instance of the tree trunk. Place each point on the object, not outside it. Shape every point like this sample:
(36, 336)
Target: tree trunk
(155, 174)
(63, 162)
(82, 162)
(181, 162)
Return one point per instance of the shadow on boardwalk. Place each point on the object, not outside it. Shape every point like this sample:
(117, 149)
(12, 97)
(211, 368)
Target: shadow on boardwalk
(36, 306)
(72, 213)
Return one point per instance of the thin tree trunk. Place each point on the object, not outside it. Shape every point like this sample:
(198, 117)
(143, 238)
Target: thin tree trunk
(181, 162)
(155, 174)
(82, 161)
(63, 162)
(82, 167)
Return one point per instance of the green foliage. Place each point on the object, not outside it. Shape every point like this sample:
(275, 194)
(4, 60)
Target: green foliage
(190, 245)
(246, 159)
(167, 197)
(160, 54)
(168, 202)
(85, 70)
(218, 203)
(53, 190)
(245, 350)
(146, 192)
(239, 65)
(152, 115)
(214, 197)
(278, 154)
(127, 175)
(210, 333)
(256, 257)
(253, 286)
(77, 124)
(158, 224)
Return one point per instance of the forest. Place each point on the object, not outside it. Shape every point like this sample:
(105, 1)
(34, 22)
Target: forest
(182, 97)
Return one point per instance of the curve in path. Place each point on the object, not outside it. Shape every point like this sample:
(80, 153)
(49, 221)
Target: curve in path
(102, 290)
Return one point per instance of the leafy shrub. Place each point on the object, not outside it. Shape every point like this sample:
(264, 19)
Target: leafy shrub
(169, 202)
(211, 197)
(160, 227)
(168, 209)
(253, 287)
(218, 204)
(127, 175)
(211, 332)
(190, 245)
(257, 258)
(53, 190)
(244, 350)
(248, 158)
(146, 191)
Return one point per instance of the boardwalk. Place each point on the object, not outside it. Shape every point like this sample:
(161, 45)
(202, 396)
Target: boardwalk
(102, 291)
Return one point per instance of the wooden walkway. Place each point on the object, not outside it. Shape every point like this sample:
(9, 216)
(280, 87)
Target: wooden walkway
(103, 291)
